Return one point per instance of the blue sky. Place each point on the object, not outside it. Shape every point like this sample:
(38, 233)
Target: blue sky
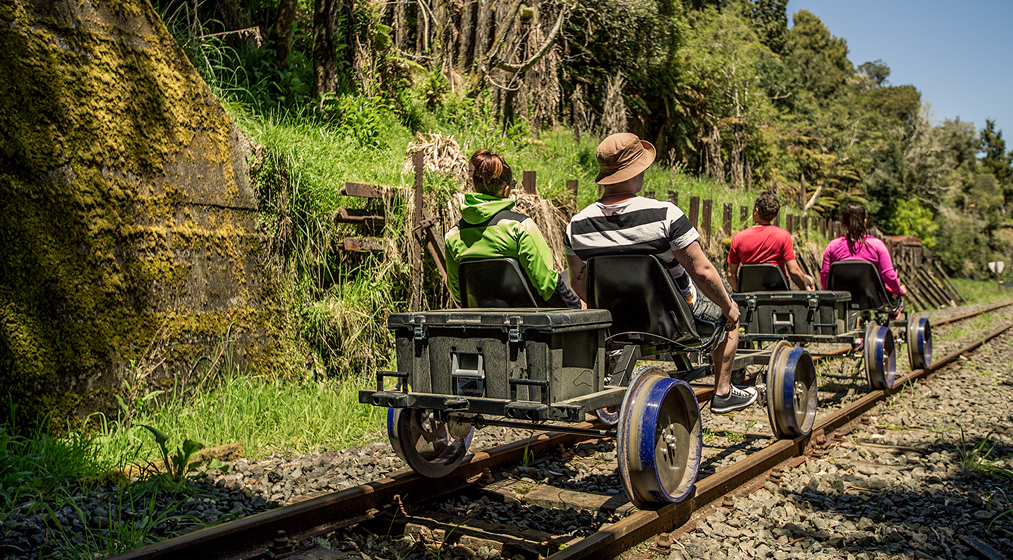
(958, 54)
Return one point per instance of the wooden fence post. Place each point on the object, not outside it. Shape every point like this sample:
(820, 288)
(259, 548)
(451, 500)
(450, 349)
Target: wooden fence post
(705, 217)
(571, 186)
(673, 197)
(694, 211)
(528, 180)
(726, 221)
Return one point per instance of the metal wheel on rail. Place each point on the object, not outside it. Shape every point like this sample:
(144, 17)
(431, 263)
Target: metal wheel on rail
(608, 415)
(432, 446)
(660, 439)
(392, 416)
(919, 342)
(791, 391)
(880, 356)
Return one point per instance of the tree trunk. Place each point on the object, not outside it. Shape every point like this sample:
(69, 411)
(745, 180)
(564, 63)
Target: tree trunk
(466, 30)
(441, 35)
(715, 166)
(400, 24)
(738, 156)
(613, 118)
(483, 31)
(325, 33)
(281, 34)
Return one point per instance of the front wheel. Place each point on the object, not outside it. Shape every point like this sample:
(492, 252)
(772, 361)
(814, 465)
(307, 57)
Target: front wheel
(660, 439)
(792, 392)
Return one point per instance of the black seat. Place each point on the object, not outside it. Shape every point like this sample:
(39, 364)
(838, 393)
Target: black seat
(764, 277)
(641, 296)
(496, 282)
(862, 280)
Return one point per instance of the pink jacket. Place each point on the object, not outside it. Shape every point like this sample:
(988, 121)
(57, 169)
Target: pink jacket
(869, 249)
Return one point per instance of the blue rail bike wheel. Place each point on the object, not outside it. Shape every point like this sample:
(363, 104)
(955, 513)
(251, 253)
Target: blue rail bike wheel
(880, 356)
(660, 439)
(792, 391)
(392, 417)
(432, 446)
(608, 415)
(919, 342)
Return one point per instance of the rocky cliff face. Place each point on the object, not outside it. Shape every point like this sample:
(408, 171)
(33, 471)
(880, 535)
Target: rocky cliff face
(128, 245)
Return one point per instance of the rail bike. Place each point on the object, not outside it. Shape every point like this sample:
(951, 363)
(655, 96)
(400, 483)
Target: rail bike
(856, 310)
(503, 361)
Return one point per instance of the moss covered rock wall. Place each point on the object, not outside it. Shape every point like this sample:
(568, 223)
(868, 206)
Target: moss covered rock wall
(126, 210)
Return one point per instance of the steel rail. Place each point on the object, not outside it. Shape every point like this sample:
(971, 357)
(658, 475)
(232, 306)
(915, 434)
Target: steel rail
(638, 527)
(250, 536)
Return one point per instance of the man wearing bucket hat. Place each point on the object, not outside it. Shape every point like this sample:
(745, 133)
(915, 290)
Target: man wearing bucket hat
(621, 221)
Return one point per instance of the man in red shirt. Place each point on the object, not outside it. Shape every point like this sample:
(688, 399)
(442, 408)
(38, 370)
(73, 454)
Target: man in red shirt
(764, 243)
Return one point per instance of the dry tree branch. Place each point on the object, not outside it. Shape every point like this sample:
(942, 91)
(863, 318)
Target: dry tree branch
(549, 41)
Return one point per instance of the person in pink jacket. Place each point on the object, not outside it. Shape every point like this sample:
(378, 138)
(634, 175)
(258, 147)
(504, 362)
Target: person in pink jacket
(856, 244)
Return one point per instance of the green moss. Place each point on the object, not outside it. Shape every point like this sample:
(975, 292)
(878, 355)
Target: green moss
(116, 182)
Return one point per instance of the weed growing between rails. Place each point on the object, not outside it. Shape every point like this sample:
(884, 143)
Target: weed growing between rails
(977, 458)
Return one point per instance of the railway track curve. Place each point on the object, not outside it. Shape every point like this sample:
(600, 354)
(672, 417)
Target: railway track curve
(406, 494)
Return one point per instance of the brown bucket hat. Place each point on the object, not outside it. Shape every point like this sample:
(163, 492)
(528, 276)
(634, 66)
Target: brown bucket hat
(622, 156)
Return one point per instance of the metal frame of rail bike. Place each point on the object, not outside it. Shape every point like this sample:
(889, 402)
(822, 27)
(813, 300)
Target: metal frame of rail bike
(651, 411)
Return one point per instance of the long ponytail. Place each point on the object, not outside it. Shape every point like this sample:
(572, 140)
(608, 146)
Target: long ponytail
(853, 220)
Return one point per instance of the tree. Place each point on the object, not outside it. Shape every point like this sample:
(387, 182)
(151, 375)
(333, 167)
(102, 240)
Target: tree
(722, 57)
(770, 20)
(876, 72)
(995, 159)
(819, 58)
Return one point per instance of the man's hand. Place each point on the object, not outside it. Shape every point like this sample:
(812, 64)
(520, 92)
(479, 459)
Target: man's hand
(731, 317)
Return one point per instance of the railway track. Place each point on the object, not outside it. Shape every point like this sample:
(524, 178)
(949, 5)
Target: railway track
(405, 501)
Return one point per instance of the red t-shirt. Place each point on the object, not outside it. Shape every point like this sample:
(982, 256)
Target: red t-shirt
(762, 244)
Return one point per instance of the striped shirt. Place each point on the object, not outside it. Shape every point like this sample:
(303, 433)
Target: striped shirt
(637, 226)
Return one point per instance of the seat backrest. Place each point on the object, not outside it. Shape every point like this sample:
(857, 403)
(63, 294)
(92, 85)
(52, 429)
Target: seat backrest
(763, 277)
(641, 296)
(495, 282)
(862, 280)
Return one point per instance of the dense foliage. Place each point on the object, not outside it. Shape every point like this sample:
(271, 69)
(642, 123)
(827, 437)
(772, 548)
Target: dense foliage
(725, 89)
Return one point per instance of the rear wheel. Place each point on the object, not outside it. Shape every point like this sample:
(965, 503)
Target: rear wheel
(791, 391)
(919, 342)
(432, 446)
(880, 356)
(660, 439)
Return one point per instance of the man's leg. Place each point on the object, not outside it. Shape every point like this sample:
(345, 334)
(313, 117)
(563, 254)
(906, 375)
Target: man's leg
(722, 356)
(726, 397)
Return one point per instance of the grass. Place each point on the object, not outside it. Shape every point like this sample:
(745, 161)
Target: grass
(983, 291)
(266, 416)
(37, 464)
(977, 459)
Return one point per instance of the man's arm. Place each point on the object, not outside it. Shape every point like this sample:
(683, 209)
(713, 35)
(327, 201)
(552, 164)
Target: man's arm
(578, 275)
(733, 276)
(707, 278)
(800, 279)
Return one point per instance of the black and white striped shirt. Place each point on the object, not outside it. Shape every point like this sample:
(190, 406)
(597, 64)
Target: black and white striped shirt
(639, 226)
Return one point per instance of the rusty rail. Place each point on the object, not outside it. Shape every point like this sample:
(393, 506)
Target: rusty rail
(250, 536)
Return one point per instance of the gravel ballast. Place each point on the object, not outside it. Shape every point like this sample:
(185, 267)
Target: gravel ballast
(895, 488)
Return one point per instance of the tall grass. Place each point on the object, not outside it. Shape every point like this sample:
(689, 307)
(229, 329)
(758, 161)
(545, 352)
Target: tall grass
(265, 415)
(36, 464)
(983, 291)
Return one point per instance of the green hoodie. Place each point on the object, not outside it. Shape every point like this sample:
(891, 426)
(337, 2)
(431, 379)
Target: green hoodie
(488, 228)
